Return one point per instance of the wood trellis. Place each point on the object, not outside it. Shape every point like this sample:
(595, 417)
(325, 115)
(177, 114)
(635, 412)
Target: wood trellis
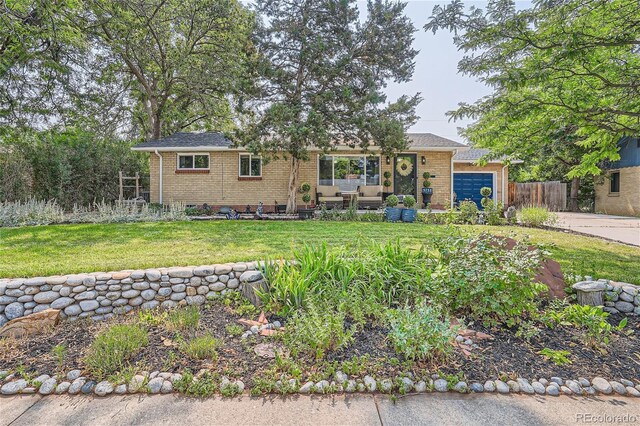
(125, 182)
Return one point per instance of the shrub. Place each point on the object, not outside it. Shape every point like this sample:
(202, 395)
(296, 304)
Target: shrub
(468, 212)
(392, 201)
(234, 330)
(113, 348)
(31, 212)
(371, 217)
(409, 201)
(317, 331)
(479, 278)
(537, 217)
(183, 319)
(202, 347)
(493, 213)
(592, 319)
(419, 334)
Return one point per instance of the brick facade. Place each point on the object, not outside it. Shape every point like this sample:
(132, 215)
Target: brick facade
(221, 185)
(627, 201)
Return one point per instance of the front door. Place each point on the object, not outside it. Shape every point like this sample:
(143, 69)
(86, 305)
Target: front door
(404, 175)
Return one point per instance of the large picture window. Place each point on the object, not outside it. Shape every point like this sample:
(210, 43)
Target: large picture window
(250, 166)
(193, 161)
(348, 171)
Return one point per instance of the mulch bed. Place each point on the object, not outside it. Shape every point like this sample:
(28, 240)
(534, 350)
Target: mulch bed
(504, 354)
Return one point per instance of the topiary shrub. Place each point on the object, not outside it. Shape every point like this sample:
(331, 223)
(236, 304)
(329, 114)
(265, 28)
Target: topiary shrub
(409, 201)
(392, 200)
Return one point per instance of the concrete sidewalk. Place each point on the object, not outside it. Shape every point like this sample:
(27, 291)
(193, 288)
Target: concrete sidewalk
(424, 409)
(618, 228)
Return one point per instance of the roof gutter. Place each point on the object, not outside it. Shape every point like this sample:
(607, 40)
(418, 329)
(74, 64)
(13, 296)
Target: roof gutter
(504, 198)
(451, 182)
(160, 173)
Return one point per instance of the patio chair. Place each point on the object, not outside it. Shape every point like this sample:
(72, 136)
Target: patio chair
(370, 196)
(330, 195)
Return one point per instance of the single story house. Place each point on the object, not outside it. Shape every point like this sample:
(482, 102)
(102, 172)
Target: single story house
(618, 192)
(199, 168)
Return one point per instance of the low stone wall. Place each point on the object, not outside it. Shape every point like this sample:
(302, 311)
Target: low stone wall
(622, 298)
(100, 295)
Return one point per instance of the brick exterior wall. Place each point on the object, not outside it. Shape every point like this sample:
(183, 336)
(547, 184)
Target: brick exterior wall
(488, 168)
(627, 201)
(221, 186)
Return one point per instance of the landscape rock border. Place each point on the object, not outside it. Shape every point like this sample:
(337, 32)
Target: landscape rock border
(101, 295)
(74, 383)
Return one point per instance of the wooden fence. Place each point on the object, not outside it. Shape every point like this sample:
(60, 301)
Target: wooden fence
(551, 194)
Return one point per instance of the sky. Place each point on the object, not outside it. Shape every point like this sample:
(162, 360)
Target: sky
(436, 75)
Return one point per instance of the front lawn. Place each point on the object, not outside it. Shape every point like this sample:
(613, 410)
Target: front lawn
(63, 249)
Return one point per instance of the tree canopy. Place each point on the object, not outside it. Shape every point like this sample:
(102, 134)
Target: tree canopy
(561, 65)
(321, 76)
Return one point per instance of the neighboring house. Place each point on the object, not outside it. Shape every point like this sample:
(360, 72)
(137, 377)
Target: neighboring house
(619, 192)
(198, 168)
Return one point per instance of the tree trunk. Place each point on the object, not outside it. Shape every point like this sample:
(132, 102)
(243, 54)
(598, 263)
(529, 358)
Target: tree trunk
(575, 187)
(293, 185)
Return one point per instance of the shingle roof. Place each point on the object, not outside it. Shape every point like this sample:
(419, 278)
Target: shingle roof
(429, 140)
(188, 140)
(474, 154)
(183, 140)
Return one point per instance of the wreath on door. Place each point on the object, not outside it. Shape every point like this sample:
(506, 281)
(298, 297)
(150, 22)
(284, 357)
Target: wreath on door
(404, 167)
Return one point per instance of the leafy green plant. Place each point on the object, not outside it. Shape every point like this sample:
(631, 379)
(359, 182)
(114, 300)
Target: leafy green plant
(152, 318)
(419, 333)
(537, 217)
(468, 212)
(387, 182)
(409, 201)
(480, 278)
(590, 318)
(317, 331)
(392, 200)
(493, 213)
(183, 319)
(201, 347)
(371, 217)
(426, 183)
(59, 353)
(202, 386)
(304, 190)
(113, 348)
(234, 330)
(558, 357)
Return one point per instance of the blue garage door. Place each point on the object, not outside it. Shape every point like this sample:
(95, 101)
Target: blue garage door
(467, 186)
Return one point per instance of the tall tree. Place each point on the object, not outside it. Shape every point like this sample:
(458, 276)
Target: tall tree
(322, 78)
(561, 64)
(39, 43)
(185, 59)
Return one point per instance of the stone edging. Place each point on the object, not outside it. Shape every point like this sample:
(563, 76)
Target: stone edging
(100, 295)
(73, 383)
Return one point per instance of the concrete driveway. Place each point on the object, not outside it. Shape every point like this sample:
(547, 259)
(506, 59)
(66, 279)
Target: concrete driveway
(424, 409)
(617, 228)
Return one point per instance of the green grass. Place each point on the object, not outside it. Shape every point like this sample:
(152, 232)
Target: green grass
(60, 249)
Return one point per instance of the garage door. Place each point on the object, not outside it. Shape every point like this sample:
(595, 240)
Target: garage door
(467, 186)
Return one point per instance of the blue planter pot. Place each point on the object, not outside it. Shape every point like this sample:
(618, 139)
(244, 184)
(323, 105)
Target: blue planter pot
(393, 214)
(409, 215)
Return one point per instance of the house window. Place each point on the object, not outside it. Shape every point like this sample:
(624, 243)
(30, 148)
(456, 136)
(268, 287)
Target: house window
(193, 161)
(614, 183)
(250, 165)
(348, 171)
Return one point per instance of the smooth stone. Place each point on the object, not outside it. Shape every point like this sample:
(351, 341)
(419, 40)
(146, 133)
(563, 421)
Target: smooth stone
(321, 386)
(73, 374)
(461, 387)
(631, 391)
(223, 269)
(14, 310)
(501, 386)
(195, 300)
(553, 390)
(441, 385)
(153, 274)
(489, 386)
(341, 377)
(151, 304)
(626, 382)
(218, 286)
(120, 389)
(180, 272)
(618, 387)
(89, 305)
(62, 387)
(538, 388)
(130, 294)
(61, 303)
(136, 383)
(250, 276)
(526, 387)
(72, 310)
(513, 386)
(140, 286)
(476, 387)
(601, 385)
(421, 386)
(584, 382)
(76, 385)
(12, 388)
(574, 386)
(148, 294)
(543, 381)
(625, 307)
(565, 390)
(87, 388)
(233, 283)
(557, 380)
(370, 383)
(306, 388)
(155, 385)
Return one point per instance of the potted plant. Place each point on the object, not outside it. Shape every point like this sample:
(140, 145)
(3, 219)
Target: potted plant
(409, 213)
(391, 212)
(305, 213)
(427, 191)
(386, 184)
